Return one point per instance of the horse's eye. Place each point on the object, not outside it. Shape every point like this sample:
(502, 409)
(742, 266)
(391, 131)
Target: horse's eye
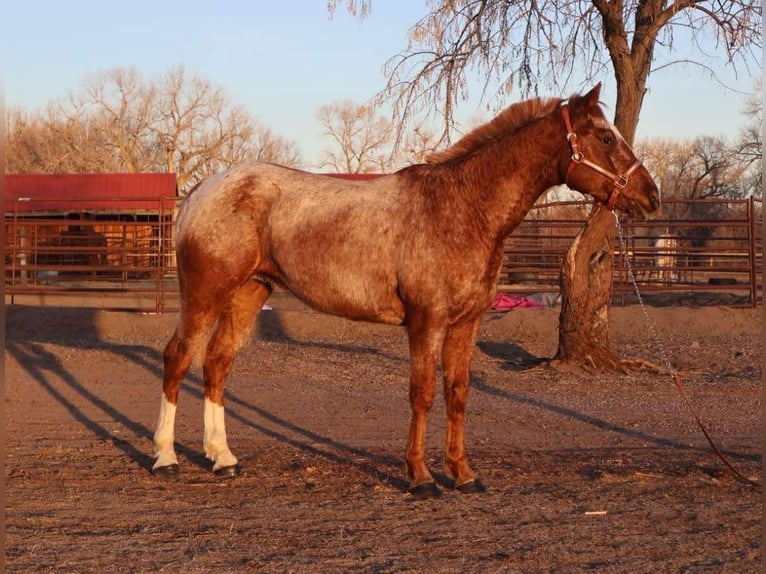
(607, 140)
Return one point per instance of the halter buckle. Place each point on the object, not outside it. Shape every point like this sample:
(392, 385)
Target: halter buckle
(621, 181)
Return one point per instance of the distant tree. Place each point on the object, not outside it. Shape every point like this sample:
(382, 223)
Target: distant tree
(265, 145)
(199, 132)
(48, 142)
(122, 123)
(703, 168)
(360, 138)
(750, 142)
(416, 144)
(118, 103)
(698, 169)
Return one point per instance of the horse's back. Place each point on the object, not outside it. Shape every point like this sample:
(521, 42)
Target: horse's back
(330, 241)
(335, 243)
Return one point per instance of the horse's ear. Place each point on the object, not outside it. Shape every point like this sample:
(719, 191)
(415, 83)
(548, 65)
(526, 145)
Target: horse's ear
(592, 97)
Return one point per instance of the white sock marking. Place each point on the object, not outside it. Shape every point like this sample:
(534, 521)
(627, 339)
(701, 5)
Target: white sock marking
(216, 447)
(164, 435)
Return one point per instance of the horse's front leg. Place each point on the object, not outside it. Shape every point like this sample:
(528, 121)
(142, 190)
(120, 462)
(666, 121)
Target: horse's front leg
(456, 360)
(425, 339)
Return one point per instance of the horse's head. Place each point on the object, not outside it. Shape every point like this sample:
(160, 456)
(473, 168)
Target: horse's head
(601, 163)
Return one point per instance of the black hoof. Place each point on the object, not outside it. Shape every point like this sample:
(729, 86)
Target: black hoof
(426, 490)
(227, 471)
(472, 487)
(169, 472)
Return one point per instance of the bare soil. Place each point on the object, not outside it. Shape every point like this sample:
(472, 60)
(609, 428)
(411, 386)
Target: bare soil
(604, 473)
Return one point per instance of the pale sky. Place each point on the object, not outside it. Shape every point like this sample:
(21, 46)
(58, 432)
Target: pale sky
(282, 60)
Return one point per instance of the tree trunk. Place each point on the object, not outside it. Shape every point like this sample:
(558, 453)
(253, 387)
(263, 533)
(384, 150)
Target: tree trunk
(586, 275)
(586, 292)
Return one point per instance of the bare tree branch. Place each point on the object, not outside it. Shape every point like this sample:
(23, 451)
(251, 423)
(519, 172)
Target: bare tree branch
(507, 45)
(361, 138)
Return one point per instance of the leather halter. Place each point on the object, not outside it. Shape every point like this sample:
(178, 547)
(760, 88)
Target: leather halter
(620, 180)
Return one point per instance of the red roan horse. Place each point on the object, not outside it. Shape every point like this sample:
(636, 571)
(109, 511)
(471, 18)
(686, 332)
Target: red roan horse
(421, 247)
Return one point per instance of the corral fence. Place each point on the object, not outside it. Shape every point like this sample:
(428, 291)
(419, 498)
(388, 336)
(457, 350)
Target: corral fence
(127, 260)
(104, 257)
(695, 246)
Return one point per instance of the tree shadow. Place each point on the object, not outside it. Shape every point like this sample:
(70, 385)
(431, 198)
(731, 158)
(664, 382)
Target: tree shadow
(481, 385)
(515, 358)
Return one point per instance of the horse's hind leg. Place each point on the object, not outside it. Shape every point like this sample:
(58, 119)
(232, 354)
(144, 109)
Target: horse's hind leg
(188, 337)
(456, 361)
(233, 329)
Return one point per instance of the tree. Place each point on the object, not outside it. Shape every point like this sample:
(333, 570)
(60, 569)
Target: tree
(120, 122)
(47, 142)
(750, 144)
(703, 168)
(521, 44)
(360, 138)
(509, 44)
(119, 103)
(417, 145)
(199, 132)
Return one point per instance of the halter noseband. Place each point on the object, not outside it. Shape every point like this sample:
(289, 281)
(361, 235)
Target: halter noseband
(619, 180)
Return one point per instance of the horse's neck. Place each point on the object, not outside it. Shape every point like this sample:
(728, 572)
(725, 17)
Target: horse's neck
(505, 186)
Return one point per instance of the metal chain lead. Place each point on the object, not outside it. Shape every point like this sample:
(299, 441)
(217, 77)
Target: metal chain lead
(663, 356)
(659, 349)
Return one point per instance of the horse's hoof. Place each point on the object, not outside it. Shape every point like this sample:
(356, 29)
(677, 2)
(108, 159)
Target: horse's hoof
(227, 471)
(169, 472)
(425, 490)
(472, 487)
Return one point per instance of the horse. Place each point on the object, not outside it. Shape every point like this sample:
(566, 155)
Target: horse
(420, 247)
(666, 249)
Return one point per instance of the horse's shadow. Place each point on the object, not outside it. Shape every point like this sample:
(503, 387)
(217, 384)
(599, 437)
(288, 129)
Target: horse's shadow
(269, 327)
(30, 347)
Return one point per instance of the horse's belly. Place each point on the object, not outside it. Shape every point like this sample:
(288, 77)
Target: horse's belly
(350, 295)
(356, 308)
(350, 310)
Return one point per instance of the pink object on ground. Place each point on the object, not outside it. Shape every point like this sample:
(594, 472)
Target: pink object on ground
(507, 302)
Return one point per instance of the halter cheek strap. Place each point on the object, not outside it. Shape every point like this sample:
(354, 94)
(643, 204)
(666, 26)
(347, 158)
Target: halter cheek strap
(620, 180)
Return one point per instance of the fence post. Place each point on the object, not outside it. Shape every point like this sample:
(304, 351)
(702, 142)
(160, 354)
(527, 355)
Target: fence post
(160, 293)
(751, 251)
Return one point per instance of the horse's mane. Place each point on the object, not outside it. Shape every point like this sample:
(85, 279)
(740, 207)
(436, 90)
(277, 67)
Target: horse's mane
(509, 120)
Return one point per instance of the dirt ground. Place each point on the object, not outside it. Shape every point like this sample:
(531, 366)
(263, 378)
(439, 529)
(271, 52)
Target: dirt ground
(584, 473)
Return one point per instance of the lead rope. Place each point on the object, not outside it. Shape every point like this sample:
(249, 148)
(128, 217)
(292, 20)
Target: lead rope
(664, 357)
